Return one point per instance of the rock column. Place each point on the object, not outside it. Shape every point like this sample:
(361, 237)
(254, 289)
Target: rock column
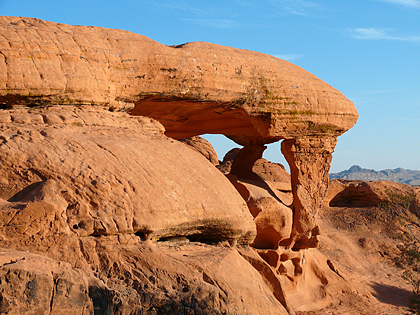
(309, 159)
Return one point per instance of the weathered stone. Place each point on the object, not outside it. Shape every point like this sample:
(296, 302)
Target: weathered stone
(202, 146)
(105, 183)
(92, 188)
(357, 193)
(274, 175)
(191, 89)
(126, 276)
(272, 218)
(244, 161)
(35, 284)
(309, 160)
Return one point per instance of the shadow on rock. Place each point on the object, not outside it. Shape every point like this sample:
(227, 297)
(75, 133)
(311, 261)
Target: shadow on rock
(390, 294)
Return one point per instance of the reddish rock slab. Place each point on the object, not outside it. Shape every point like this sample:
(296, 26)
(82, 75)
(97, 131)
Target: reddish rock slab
(202, 146)
(109, 173)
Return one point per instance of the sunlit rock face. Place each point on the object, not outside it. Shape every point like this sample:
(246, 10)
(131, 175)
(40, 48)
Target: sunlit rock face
(262, 98)
(191, 89)
(57, 86)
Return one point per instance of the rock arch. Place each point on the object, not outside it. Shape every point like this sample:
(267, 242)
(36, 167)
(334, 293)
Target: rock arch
(191, 89)
(194, 88)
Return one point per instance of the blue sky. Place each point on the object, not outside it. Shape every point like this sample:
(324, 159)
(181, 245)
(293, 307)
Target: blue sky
(367, 49)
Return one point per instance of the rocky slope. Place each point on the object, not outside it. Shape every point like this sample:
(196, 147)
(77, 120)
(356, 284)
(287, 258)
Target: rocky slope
(363, 241)
(398, 175)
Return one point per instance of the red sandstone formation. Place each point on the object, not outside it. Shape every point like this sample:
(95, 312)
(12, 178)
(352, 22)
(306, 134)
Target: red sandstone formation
(202, 146)
(76, 189)
(191, 89)
(358, 193)
(127, 207)
(105, 185)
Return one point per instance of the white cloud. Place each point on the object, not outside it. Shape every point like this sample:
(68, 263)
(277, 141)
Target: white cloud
(380, 33)
(297, 7)
(406, 3)
(182, 6)
(288, 57)
(217, 23)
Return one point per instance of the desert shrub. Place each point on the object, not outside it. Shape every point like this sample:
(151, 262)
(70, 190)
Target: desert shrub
(414, 280)
(402, 206)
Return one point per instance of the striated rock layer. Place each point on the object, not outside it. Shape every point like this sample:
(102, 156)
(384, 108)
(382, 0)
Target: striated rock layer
(209, 87)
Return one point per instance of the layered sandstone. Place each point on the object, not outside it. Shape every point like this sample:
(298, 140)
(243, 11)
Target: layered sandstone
(111, 195)
(210, 88)
(105, 183)
(191, 89)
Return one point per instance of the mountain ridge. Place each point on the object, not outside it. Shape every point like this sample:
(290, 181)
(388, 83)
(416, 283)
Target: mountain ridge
(397, 175)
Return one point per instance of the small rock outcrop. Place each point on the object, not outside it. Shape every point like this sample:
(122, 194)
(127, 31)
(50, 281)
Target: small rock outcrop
(358, 193)
(202, 146)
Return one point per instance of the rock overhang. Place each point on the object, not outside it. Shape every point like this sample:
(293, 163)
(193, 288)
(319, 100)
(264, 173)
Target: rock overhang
(191, 89)
(186, 87)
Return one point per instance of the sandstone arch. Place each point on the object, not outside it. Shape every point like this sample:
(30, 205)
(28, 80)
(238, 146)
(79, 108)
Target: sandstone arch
(192, 89)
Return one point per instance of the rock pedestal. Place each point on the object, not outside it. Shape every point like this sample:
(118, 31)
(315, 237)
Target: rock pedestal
(309, 160)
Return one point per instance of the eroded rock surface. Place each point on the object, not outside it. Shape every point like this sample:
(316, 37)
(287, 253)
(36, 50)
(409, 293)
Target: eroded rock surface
(112, 196)
(36, 284)
(127, 276)
(207, 86)
(358, 193)
(202, 146)
(192, 89)
(77, 242)
(108, 173)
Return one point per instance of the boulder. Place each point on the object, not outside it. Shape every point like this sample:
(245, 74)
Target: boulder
(272, 218)
(202, 146)
(273, 174)
(358, 193)
(108, 173)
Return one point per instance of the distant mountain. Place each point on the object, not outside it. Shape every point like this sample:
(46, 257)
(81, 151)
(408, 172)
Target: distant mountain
(398, 175)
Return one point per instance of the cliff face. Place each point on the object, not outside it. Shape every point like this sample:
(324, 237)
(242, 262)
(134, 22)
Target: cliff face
(133, 211)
